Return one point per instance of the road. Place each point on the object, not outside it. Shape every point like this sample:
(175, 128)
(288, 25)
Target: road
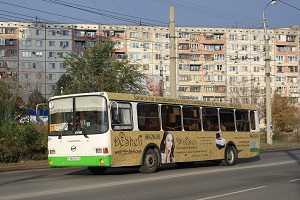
(274, 175)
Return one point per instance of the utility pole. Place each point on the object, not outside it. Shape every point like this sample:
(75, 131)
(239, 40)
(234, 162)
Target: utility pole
(268, 79)
(172, 54)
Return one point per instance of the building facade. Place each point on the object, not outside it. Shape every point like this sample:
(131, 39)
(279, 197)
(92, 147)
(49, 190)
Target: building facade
(212, 64)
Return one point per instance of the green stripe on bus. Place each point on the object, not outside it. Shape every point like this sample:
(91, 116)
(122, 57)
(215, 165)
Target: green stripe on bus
(79, 161)
(255, 150)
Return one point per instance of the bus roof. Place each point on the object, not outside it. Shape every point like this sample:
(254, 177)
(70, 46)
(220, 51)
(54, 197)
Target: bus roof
(160, 99)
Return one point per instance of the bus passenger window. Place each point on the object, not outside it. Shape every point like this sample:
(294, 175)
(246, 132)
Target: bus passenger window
(242, 120)
(191, 118)
(227, 119)
(121, 116)
(171, 118)
(148, 117)
(210, 119)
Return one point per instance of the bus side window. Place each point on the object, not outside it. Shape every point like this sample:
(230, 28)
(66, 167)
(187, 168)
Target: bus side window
(242, 120)
(227, 120)
(191, 118)
(122, 117)
(148, 117)
(171, 118)
(210, 119)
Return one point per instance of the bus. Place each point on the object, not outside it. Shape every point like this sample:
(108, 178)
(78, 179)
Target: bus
(102, 130)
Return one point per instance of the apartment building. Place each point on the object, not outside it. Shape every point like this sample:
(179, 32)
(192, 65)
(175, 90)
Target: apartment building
(212, 64)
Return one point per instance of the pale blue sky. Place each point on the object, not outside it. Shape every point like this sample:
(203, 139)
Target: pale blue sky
(200, 13)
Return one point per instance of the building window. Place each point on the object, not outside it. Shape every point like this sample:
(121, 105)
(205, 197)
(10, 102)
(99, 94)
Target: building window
(39, 54)
(279, 58)
(209, 88)
(158, 56)
(64, 44)
(146, 56)
(256, 58)
(26, 32)
(292, 58)
(26, 76)
(244, 47)
(37, 65)
(255, 48)
(51, 87)
(134, 45)
(145, 35)
(39, 32)
(26, 43)
(25, 65)
(194, 89)
(51, 65)
(64, 32)
(133, 34)
(232, 37)
(244, 37)
(39, 43)
(52, 54)
(195, 68)
(52, 77)
(280, 79)
(26, 54)
(134, 56)
(51, 43)
(63, 66)
(256, 69)
(255, 37)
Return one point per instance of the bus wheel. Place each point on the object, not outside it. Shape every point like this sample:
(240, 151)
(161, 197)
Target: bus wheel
(230, 156)
(97, 170)
(150, 162)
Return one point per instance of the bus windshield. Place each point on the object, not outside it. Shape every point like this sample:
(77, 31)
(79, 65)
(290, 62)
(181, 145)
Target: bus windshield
(78, 115)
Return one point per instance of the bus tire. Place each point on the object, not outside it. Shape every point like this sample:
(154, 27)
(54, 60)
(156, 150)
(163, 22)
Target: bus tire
(230, 156)
(150, 162)
(97, 170)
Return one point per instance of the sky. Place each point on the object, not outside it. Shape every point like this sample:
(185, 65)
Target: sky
(188, 13)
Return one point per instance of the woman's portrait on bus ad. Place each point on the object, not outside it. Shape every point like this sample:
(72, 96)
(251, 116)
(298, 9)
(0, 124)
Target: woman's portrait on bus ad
(167, 146)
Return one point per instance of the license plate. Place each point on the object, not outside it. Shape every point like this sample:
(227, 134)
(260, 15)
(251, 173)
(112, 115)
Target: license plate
(73, 158)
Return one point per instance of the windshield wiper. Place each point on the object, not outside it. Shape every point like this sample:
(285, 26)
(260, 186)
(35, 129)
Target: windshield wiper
(83, 132)
(61, 134)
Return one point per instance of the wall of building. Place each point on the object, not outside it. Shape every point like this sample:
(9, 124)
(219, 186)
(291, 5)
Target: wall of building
(221, 64)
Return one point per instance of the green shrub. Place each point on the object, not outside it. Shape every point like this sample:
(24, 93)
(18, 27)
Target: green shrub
(23, 142)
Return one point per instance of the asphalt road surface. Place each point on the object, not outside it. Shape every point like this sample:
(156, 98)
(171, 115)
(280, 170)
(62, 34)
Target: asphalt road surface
(274, 175)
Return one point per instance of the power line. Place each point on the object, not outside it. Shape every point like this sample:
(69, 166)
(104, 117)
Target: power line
(195, 8)
(113, 15)
(32, 9)
(289, 5)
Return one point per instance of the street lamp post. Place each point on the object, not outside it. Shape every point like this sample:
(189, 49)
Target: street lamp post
(268, 78)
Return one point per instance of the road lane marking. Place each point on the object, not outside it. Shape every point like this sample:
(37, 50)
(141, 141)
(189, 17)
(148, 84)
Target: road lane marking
(141, 180)
(231, 193)
(294, 180)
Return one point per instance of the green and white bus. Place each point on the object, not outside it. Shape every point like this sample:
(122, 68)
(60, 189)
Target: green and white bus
(102, 130)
